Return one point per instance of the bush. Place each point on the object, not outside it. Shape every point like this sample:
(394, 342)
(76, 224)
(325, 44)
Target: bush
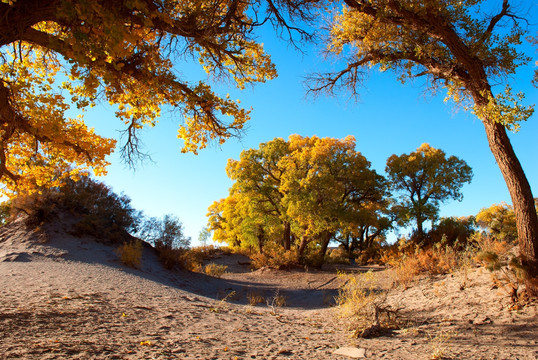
(215, 270)
(274, 256)
(362, 303)
(130, 254)
(452, 231)
(192, 259)
(99, 211)
(337, 256)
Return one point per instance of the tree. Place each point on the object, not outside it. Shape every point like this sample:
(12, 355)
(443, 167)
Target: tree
(62, 54)
(328, 187)
(166, 232)
(426, 178)
(456, 45)
(300, 193)
(204, 236)
(498, 221)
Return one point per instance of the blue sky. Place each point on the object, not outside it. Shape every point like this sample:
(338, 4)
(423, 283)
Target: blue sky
(389, 118)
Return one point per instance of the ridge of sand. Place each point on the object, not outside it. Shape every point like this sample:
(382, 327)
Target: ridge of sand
(65, 297)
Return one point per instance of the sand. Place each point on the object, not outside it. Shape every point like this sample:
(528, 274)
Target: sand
(69, 298)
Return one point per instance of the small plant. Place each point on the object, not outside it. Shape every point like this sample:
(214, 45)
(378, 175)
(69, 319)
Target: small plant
(277, 301)
(440, 343)
(507, 274)
(337, 256)
(364, 305)
(193, 258)
(215, 270)
(222, 303)
(131, 254)
(254, 298)
(170, 258)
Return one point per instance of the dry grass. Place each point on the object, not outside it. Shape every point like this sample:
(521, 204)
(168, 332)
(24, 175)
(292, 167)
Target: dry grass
(362, 302)
(130, 254)
(255, 297)
(215, 270)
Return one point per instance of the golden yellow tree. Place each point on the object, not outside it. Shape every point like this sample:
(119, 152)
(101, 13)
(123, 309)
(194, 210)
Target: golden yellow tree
(455, 45)
(62, 54)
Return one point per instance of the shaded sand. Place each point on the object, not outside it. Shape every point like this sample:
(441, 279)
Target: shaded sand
(71, 298)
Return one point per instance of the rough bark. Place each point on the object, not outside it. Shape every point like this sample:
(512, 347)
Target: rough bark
(522, 200)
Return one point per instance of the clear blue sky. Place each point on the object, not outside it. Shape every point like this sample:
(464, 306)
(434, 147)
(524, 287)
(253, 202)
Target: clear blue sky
(389, 118)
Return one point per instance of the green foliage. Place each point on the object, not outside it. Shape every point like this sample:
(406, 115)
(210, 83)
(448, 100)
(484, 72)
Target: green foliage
(98, 210)
(424, 179)
(299, 193)
(166, 232)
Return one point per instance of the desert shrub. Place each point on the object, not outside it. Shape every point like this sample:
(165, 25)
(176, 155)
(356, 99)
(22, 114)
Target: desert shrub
(499, 222)
(254, 297)
(168, 238)
(130, 253)
(337, 256)
(452, 231)
(215, 270)
(98, 210)
(405, 270)
(192, 259)
(362, 303)
(441, 258)
(496, 255)
(274, 257)
(171, 258)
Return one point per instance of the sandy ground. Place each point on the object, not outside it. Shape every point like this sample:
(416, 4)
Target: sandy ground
(69, 298)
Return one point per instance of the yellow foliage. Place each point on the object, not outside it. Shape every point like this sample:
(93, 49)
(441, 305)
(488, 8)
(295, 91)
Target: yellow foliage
(215, 270)
(84, 53)
(130, 253)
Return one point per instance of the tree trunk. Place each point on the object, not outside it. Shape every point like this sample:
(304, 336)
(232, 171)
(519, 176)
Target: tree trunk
(420, 230)
(261, 239)
(302, 246)
(286, 241)
(326, 238)
(522, 200)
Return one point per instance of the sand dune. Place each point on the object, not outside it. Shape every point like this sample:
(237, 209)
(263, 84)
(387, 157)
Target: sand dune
(69, 298)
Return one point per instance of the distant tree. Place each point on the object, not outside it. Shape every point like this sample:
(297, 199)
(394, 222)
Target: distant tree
(453, 44)
(424, 179)
(328, 187)
(166, 232)
(204, 236)
(498, 221)
(455, 230)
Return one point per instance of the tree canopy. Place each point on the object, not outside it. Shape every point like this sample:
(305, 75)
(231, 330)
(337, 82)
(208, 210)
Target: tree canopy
(425, 178)
(299, 193)
(57, 55)
(456, 45)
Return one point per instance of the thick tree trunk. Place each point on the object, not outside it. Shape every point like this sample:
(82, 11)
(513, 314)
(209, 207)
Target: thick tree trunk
(326, 238)
(522, 200)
